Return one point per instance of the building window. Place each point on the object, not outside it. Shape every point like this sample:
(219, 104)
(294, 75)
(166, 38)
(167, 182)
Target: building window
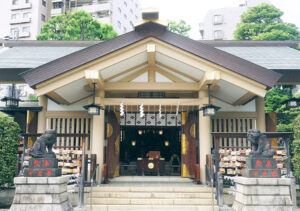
(15, 16)
(27, 15)
(136, 5)
(119, 24)
(125, 3)
(136, 17)
(15, 2)
(218, 19)
(119, 9)
(131, 11)
(57, 5)
(125, 16)
(28, 1)
(43, 18)
(44, 3)
(131, 24)
(26, 29)
(218, 34)
(124, 29)
(13, 30)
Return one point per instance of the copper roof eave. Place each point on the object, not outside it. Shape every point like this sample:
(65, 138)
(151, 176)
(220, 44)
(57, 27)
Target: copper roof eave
(150, 29)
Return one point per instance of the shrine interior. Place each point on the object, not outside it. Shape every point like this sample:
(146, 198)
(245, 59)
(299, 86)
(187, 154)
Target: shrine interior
(138, 142)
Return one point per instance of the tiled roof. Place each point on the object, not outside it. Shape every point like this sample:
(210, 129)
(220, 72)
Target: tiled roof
(274, 58)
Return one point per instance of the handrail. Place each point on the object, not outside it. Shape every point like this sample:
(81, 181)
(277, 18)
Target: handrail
(211, 185)
(92, 184)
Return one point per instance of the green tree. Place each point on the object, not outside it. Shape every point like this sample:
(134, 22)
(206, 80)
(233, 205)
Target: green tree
(180, 28)
(9, 131)
(274, 103)
(263, 22)
(296, 147)
(76, 26)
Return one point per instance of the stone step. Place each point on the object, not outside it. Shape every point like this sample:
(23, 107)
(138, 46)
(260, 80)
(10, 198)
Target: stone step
(143, 201)
(151, 179)
(151, 208)
(159, 195)
(179, 189)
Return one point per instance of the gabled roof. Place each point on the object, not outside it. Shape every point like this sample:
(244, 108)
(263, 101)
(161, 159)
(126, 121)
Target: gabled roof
(151, 29)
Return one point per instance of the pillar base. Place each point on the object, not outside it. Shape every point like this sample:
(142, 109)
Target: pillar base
(265, 194)
(41, 193)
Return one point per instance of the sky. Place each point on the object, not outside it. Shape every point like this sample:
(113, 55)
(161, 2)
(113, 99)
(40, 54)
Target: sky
(193, 11)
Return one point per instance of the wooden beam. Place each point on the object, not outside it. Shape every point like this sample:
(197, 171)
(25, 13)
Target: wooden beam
(124, 72)
(209, 78)
(134, 75)
(151, 54)
(177, 71)
(93, 76)
(140, 86)
(168, 75)
(244, 99)
(57, 98)
(151, 75)
(152, 101)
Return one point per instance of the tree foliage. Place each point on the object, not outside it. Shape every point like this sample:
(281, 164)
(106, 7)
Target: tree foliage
(76, 26)
(9, 131)
(296, 147)
(263, 22)
(180, 28)
(274, 103)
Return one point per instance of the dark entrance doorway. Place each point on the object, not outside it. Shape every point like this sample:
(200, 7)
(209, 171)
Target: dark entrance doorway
(138, 143)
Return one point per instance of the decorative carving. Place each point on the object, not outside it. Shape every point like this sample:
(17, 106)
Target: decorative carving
(261, 144)
(45, 141)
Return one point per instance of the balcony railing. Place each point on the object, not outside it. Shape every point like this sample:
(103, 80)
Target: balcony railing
(24, 34)
(57, 11)
(21, 6)
(20, 20)
(94, 7)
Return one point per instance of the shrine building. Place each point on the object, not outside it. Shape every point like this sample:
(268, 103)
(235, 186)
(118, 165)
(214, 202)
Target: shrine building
(151, 84)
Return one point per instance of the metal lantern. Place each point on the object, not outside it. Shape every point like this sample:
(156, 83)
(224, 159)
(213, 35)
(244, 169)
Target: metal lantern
(12, 100)
(93, 109)
(292, 103)
(209, 110)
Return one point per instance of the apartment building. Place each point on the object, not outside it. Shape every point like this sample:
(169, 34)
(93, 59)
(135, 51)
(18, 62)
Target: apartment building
(26, 18)
(219, 24)
(122, 14)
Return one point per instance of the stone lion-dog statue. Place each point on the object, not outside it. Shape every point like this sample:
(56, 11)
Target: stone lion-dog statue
(44, 142)
(261, 144)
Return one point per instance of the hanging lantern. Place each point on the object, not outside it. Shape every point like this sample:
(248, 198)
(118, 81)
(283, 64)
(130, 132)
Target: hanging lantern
(133, 143)
(140, 132)
(93, 109)
(209, 110)
(12, 100)
(160, 132)
(166, 143)
(292, 103)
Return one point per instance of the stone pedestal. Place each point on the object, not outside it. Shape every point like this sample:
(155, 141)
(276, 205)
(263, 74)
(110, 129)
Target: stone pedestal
(263, 194)
(41, 193)
(42, 167)
(261, 167)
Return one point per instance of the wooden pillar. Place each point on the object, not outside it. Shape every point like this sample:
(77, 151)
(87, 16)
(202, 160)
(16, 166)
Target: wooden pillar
(98, 138)
(260, 110)
(205, 138)
(43, 101)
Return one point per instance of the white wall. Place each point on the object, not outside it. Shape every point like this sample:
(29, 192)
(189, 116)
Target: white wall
(4, 18)
(52, 106)
(249, 107)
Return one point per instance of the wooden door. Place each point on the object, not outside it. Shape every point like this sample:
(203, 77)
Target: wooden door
(113, 144)
(188, 144)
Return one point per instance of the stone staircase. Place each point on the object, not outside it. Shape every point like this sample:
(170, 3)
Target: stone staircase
(151, 195)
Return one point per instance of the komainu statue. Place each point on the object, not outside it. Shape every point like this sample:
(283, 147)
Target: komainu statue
(45, 141)
(260, 143)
